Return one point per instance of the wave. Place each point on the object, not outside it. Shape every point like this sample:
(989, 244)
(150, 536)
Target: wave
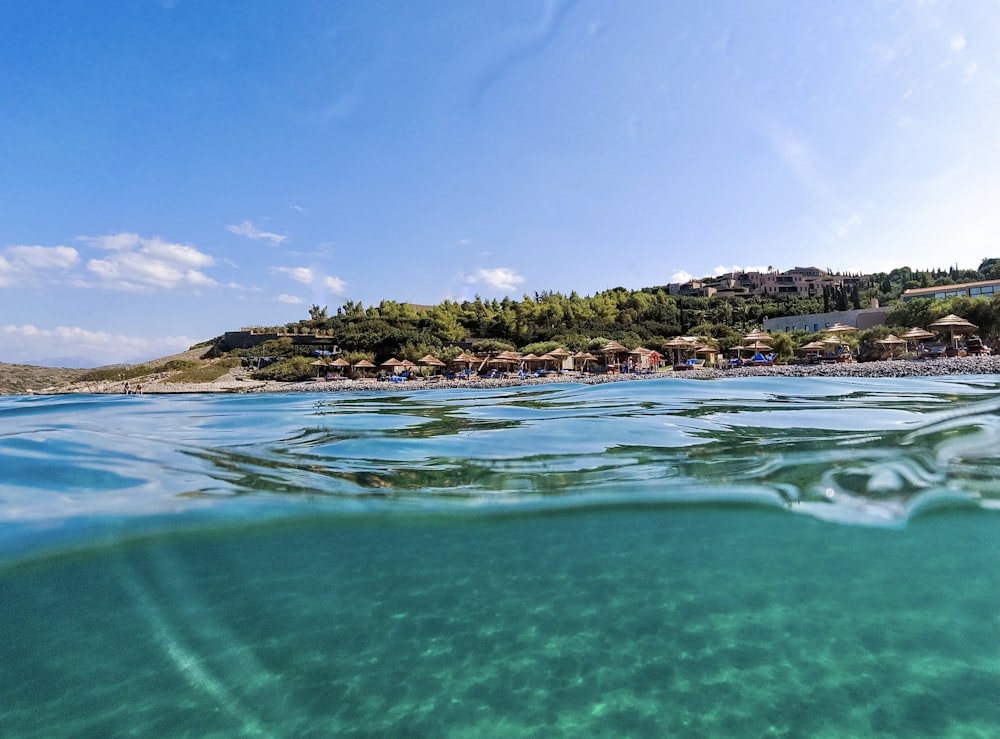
(860, 451)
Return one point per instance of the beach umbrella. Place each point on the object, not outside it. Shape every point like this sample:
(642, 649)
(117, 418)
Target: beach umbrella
(679, 345)
(559, 355)
(431, 360)
(953, 325)
(584, 357)
(839, 328)
(916, 334)
(813, 346)
(757, 335)
(363, 365)
(340, 362)
(317, 364)
(466, 359)
(391, 362)
(890, 341)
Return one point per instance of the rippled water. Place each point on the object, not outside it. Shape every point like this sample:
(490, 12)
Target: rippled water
(744, 557)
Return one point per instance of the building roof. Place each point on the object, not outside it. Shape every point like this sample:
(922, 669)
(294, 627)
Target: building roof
(917, 291)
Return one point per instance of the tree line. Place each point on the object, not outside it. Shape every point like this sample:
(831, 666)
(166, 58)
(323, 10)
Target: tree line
(645, 317)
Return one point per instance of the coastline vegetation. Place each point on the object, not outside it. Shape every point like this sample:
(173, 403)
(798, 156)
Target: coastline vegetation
(646, 317)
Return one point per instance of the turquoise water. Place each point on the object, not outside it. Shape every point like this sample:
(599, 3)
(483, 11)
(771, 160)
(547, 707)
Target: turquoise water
(745, 557)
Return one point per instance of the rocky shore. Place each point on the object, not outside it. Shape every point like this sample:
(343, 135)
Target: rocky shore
(239, 383)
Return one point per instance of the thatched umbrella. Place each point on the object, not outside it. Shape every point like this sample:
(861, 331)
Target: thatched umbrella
(583, 357)
(839, 328)
(364, 365)
(812, 346)
(429, 360)
(317, 364)
(916, 334)
(679, 345)
(559, 355)
(954, 325)
(339, 363)
(611, 351)
(890, 341)
(757, 335)
(466, 359)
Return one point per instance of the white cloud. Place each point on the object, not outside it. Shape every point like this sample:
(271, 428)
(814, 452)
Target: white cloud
(27, 342)
(335, 285)
(308, 276)
(300, 274)
(290, 299)
(6, 272)
(252, 232)
(22, 263)
(958, 43)
(969, 72)
(43, 257)
(844, 229)
(498, 278)
(177, 253)
(113, 242)
(139, 264)
(681, 277)
(297, 208)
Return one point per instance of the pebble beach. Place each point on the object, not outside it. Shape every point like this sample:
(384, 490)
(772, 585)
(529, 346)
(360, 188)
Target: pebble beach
(239, 383)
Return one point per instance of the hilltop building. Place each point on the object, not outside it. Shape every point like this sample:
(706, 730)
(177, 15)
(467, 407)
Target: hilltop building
(803, 282)
(985, 288)
(253, 336)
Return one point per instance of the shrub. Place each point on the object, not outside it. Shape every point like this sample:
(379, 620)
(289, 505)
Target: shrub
(118, 373)
(204, 373)
(294, 369)
(178, 365)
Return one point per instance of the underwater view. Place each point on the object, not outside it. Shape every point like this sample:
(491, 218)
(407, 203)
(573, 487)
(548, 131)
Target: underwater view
(738, 557)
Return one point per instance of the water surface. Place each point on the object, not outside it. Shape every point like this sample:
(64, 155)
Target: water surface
(747, 557)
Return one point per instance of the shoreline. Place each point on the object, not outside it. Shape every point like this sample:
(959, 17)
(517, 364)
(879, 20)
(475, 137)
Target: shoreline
(235, 384)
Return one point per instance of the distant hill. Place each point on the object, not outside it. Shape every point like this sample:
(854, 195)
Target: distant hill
(69, 362)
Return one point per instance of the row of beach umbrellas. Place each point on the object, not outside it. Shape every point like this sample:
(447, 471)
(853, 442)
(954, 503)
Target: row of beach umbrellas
(755, 341)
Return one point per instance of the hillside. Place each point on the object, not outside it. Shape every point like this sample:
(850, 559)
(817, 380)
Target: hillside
(18, 379)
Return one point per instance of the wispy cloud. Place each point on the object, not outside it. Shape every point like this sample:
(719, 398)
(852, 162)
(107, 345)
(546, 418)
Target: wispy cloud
(22, 263)
(290, 299)
(252, 232)
(309, 276)
(28, 342)
(140, 264)
(299, 274)
(335, 285)
(498, 278)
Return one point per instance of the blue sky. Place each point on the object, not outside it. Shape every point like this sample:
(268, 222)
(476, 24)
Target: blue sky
(175, 169)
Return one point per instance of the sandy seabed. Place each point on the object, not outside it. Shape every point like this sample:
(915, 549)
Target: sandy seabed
(237, 383)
